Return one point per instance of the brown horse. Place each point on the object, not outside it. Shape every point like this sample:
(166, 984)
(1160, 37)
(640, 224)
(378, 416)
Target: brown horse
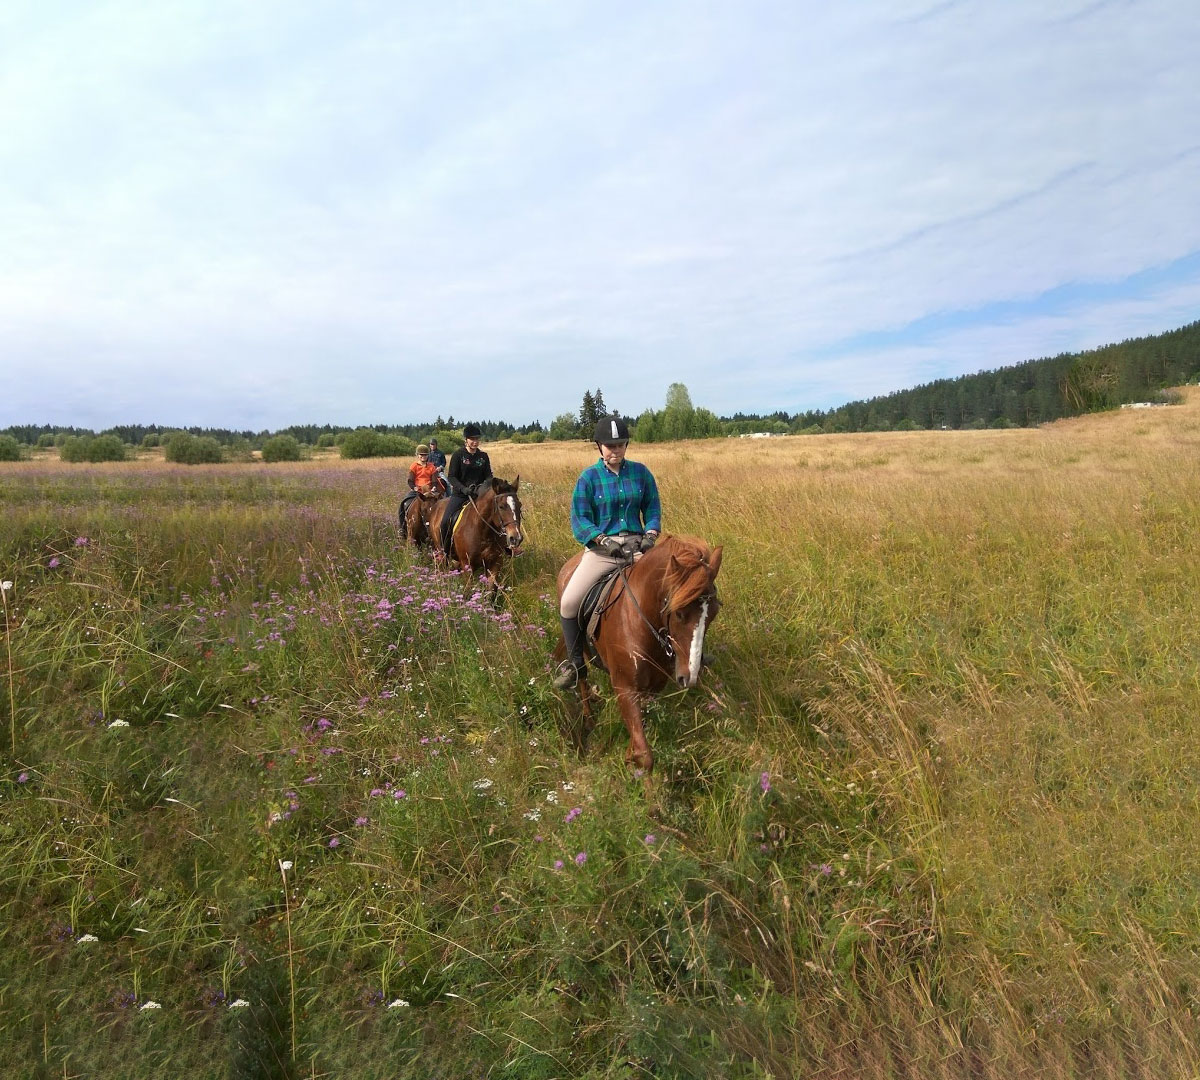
(652, 631)
(416, 516)
(488, 532)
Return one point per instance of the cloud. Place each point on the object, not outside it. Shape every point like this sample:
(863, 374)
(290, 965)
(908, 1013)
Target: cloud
(251, 216)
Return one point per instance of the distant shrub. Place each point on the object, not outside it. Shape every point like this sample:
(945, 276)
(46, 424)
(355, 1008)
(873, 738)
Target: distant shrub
(45, 441)
(281, 448)
(325, 441)
(150, 440)
(448, 441)
(238, 449)
(185, 448)
(566, 426)
(60, 438)
(92, 448)
(529, 437)
(10, 449)
(365, 443)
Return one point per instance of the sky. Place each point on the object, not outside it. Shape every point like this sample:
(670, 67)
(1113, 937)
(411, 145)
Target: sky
(368, 211)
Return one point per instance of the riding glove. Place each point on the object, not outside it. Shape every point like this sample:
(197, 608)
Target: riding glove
(648, 541)
(611, 546)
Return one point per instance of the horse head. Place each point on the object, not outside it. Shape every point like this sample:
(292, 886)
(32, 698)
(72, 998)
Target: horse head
(506, 511)
(690, 602)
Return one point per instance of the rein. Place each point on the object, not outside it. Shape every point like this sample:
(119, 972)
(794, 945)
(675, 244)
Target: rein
(664, 640)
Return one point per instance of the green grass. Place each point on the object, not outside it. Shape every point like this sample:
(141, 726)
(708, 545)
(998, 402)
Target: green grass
(930, 815)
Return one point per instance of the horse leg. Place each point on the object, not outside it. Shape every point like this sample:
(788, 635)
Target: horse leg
(587, 719)
(638, 754)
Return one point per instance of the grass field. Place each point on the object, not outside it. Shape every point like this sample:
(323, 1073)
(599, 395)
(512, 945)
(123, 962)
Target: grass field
(277, 800)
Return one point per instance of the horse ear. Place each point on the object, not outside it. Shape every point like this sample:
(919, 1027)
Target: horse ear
(714, 561)
(517, 482)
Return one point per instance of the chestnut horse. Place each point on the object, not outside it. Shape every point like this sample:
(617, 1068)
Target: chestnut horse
(488, 531)
(416, 516)
(652, 631)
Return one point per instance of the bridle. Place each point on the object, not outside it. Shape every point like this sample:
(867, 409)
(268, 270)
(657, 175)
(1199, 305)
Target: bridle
(501, 531)
(663, 636)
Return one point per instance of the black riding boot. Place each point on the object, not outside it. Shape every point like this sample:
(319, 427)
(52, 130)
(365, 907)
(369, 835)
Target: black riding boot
(570, 670)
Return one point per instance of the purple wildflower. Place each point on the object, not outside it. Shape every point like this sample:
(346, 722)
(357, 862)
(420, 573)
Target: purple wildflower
(361, 821)
(82, 541)
(54, 563)
(581, 858)
(334, 841)
(650, 838)
(22, 777)
(764, 782)
(558, 864)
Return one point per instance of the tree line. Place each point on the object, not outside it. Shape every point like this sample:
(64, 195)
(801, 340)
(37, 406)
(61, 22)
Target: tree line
(1020, 395)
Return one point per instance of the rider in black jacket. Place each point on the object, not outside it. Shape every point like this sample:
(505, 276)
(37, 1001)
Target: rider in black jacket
(469, 475)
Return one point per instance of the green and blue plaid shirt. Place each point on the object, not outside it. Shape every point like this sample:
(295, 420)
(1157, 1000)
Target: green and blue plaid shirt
(604, 504)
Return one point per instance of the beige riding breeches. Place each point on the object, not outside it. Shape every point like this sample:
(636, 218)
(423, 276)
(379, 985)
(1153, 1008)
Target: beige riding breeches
(592, 567)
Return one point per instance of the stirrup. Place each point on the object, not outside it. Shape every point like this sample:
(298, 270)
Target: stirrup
(568, 676)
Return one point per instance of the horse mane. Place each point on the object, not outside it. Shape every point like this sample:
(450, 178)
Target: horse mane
(687, 576)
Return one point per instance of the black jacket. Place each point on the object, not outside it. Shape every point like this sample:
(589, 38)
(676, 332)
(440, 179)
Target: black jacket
(466, 470)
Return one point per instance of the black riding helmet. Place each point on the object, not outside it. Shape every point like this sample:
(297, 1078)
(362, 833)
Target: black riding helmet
(471, 431)
(611, 429)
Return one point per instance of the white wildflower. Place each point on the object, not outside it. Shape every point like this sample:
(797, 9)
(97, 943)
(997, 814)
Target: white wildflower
(399, 1003)
(285, 864)
(119, 724)
(241, 1003)
(150, 1005)
(482, 784)
(86, 938)
(551, 796)
(5, 586)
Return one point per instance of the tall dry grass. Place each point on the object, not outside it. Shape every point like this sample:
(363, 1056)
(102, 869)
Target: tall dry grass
(931, 815)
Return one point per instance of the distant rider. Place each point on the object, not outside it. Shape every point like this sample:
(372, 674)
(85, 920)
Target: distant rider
(436, 457)
(423, 478)
(616, 515)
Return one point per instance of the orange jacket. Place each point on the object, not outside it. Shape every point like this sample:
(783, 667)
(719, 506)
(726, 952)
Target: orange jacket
(422, 476)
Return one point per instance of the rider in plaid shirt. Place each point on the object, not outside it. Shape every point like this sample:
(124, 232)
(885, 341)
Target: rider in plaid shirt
(615, 511)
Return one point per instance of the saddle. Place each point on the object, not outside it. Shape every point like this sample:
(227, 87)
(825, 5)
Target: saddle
(450, 527)
(595, 604)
